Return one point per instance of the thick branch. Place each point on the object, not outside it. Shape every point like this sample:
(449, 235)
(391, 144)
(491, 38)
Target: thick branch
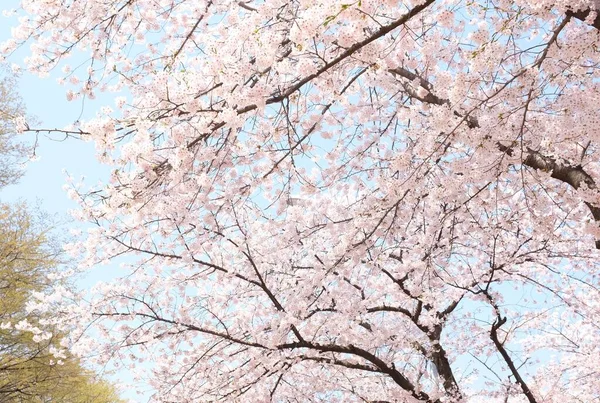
(583, 15)
(384, 30)
(572, 175)
(440, 359)
(391, 371)
(378, 364)
(513, 369)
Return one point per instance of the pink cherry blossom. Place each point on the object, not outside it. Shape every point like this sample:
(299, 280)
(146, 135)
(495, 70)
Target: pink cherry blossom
(370, 201)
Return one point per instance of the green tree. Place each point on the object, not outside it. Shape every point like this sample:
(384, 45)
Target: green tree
(34, 367)
(12, 152)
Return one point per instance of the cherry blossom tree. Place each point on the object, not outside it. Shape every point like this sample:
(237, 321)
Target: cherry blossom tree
(371, 201)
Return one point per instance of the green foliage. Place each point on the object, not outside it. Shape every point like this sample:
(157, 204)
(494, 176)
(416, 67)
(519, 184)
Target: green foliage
(33, 367)
(12, 153)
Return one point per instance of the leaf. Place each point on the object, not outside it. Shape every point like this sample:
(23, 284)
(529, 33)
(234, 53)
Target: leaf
(328, 20)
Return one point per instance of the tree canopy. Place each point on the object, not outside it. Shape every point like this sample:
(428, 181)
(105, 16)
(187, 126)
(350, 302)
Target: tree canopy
(12, 152)
(34, 366)
(371, 201)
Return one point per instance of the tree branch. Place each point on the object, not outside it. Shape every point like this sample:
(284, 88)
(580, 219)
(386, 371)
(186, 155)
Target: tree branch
(574, 176)
(582, 15)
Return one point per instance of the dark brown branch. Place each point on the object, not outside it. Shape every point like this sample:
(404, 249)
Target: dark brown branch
(385, 308)
(513, 369)
(391, 371)
(341, 363)
(381, 32)
(574, 176)
(206, 331)
(582, 15)
(378, 364)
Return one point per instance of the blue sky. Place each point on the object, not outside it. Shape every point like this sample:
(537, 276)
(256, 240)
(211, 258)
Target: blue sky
(42, 184)
(45, 99)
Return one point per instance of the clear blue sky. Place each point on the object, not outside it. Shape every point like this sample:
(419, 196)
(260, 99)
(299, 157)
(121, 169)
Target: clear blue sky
(43, 181)
(45, 99)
